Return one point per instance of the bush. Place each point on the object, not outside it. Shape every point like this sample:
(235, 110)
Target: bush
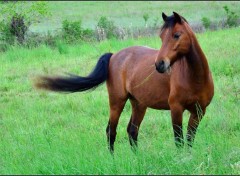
(88, 35)
(18, 27)
(73, 31)
(206, 22)
(232, 17)
(17, 16)
(105, 28)
(145, 17)
(5, 33)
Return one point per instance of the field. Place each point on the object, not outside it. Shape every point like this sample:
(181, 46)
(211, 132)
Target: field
(130, 13)
(51, 133)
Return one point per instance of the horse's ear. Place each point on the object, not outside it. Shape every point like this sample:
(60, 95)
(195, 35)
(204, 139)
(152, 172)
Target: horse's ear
(164, 16)
(177, 17)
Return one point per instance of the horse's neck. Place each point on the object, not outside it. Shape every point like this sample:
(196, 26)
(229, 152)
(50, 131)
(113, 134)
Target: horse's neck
(197, 63)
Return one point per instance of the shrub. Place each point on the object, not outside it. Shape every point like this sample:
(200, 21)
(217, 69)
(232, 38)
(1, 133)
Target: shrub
(232, 17)
(88, 35)
(5, 33)
(18, 27)
(105, 28)
(206, 22)
(6, 38)
(73, 31)
(145, 17)
(17, 16)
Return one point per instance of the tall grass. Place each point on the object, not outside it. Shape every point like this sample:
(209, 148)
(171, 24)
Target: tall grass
(50, 133)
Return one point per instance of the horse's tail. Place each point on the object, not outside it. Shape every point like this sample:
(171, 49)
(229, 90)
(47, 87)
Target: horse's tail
(74, 83)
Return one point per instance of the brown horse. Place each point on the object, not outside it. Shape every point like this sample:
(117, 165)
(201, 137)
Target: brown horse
(175, 78)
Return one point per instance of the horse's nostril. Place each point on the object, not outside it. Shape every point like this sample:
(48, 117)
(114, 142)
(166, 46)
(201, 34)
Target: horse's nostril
(160, 67)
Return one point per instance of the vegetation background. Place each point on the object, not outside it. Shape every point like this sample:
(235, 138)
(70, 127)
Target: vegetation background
(51, 133)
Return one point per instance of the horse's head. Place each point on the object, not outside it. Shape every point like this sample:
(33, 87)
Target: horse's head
(175, 41)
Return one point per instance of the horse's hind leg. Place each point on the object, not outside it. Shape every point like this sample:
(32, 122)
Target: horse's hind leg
(116, 108)
(138, 112)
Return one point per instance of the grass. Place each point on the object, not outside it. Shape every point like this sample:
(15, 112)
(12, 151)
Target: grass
(130, 13)
(50, 133)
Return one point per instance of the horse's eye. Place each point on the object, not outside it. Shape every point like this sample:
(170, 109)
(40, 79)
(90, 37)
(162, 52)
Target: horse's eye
(176, 36)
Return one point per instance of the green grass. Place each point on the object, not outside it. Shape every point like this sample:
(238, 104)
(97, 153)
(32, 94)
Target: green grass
(50, 133)
(130, 13)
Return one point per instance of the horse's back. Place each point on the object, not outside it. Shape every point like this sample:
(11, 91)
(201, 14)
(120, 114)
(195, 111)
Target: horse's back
(132, 72)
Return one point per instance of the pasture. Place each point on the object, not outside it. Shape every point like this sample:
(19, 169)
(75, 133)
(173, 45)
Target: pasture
(130, 14)
(51, 133)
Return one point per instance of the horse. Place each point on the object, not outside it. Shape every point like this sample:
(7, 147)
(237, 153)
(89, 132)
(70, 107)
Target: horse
(176, 78)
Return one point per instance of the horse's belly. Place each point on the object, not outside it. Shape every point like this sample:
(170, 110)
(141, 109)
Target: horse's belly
(153, 93)
(160, 105)
(154, 101)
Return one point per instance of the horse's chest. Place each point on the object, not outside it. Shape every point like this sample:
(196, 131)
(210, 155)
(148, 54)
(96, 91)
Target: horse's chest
(190, 95)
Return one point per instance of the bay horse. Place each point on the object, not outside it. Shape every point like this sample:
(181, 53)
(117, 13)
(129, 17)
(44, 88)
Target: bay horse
(176, 78)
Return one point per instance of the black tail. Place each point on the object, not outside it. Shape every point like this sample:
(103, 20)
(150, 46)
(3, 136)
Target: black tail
(74, 83)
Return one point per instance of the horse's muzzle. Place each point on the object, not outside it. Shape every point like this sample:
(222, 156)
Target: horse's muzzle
(160, 67)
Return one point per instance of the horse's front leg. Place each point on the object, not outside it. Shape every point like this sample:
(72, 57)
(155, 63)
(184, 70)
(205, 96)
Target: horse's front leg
(193, 123)
(176, 114)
